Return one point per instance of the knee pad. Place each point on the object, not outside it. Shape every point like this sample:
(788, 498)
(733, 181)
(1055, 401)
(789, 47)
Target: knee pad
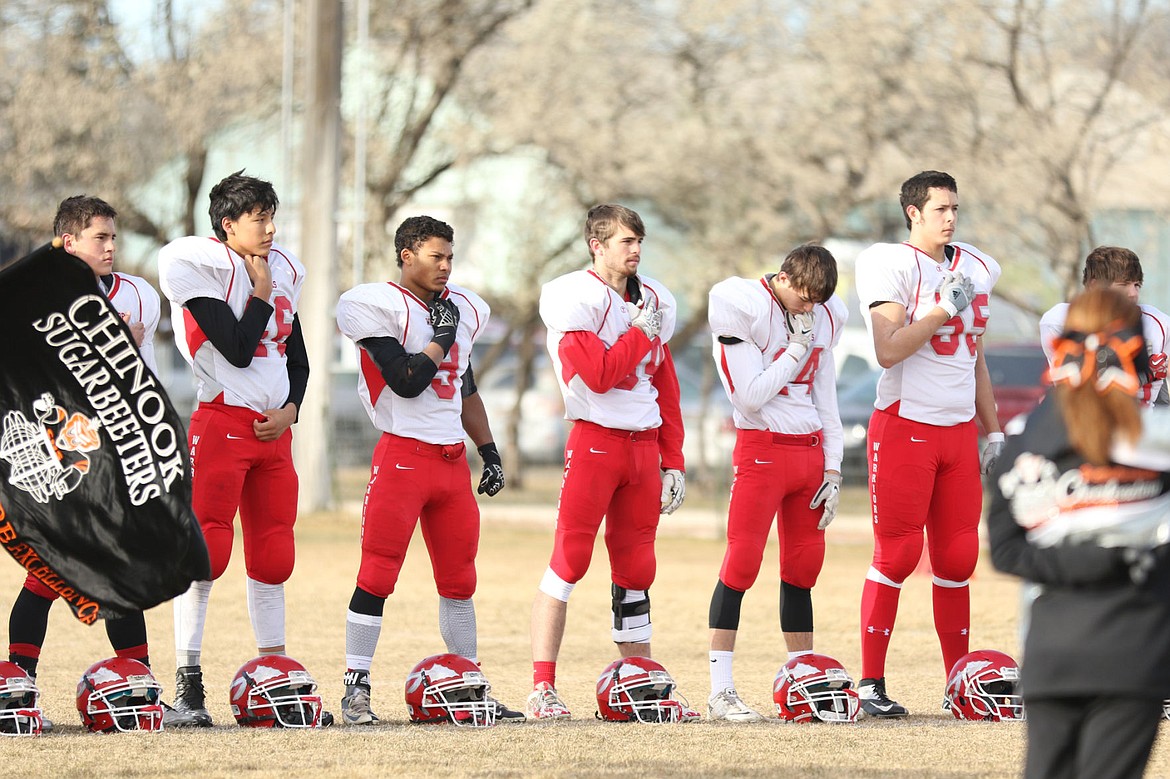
(796, 611)
(725, 603)
(631, 615)
(555, 587)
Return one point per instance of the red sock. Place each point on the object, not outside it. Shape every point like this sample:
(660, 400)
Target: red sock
(544, 671)
(952, 622)
(879, 609)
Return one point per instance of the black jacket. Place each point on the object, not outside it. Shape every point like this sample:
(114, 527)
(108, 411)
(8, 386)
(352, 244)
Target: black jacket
(1092, 629)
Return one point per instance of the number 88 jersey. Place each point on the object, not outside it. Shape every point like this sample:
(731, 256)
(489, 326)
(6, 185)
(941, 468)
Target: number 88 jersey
(936, 384)
(390, 310)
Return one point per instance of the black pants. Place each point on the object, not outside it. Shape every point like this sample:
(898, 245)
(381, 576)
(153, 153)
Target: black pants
(1090, 736)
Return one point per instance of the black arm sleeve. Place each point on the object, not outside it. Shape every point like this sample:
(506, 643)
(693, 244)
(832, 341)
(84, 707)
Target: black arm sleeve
(235, 339)
(469, 387)
(297, 366)
(407, 375)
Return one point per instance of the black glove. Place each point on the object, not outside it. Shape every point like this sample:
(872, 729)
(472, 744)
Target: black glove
(493, 470)
(445, 320)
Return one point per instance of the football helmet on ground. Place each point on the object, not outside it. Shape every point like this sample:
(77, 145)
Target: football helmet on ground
(275, 691)
(20, 713)
(119, 695)
(638, 689)
(983, 686)
(814, 687)
(449, 688)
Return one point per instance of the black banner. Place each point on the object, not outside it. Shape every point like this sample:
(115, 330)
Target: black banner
(95, 479)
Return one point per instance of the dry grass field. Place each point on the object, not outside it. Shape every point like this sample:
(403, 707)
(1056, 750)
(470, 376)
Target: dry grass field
(514, 549)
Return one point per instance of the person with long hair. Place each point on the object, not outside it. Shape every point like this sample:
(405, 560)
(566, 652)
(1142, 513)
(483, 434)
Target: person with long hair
(1081, 506)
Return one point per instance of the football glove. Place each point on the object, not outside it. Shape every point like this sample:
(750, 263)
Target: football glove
(444, 316)
(800, 331)
(991, 452)
(955, 292)
(646, 317)
(674, 489)
(492, 480)
(829, 494)
(1157, 366)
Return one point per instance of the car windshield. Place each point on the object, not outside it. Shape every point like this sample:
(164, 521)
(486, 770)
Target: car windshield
(1015, 369)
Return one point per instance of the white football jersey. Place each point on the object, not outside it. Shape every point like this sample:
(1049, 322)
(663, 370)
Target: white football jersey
(135, 299)
(387, 309)
(195, 267)
(794, 397)
(1155, 327)
(582, 301)
(936, 384)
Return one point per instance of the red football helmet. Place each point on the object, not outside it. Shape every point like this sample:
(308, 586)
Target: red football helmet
(814, 687)
(982, 686)
(20, 713)
(119, 694)
(637, 689)
(449, 688)
(275, 691)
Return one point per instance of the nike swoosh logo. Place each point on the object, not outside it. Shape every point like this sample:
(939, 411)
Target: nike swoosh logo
(402, 467)
(597, 451)
(918, 440)
(235, 437)
(763, 462)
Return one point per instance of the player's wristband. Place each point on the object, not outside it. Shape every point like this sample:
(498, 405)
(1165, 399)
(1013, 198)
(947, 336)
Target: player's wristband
(949, 307)
(490, 454)
(995, 438)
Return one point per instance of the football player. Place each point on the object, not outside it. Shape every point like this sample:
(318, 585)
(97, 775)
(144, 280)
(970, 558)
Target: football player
(607, 333)
(87, 228)
(772, 342)
(234, 311)
(925, 303)
(1113, 266)
(414, 340)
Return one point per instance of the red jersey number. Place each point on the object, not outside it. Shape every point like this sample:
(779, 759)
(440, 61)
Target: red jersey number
(444, 382)
(946, 341)
(808, 371)
(275, 339)
(657, 355)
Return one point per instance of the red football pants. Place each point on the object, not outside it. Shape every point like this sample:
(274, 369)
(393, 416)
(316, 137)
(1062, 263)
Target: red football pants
(234, 471)
(415, 483)
(613, 474)
(776, 475)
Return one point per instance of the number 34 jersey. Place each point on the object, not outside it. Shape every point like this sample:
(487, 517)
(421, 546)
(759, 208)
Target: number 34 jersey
(196, 267)
(389, 310)
(936, 384)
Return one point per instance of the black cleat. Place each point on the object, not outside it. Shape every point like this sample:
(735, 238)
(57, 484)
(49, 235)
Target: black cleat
(190, 709)
(875, 702)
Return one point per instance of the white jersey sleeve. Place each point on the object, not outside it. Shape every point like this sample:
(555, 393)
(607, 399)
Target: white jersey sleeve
(582, 302)
(136, 300)
(1051, 326)
(196, 267)
(936, 384)
(1155, 327)
(390, 310)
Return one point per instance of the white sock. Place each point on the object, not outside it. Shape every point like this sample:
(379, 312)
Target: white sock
(361, 639)
(721, 677)
(799, 652)
(457, 627)
(190, 613)
(266, 610)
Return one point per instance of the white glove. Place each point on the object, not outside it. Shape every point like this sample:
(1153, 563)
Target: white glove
(830, 495)
(991, 452)
(674, 489)
(955, 292)
(646, 317)
(800, 332)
